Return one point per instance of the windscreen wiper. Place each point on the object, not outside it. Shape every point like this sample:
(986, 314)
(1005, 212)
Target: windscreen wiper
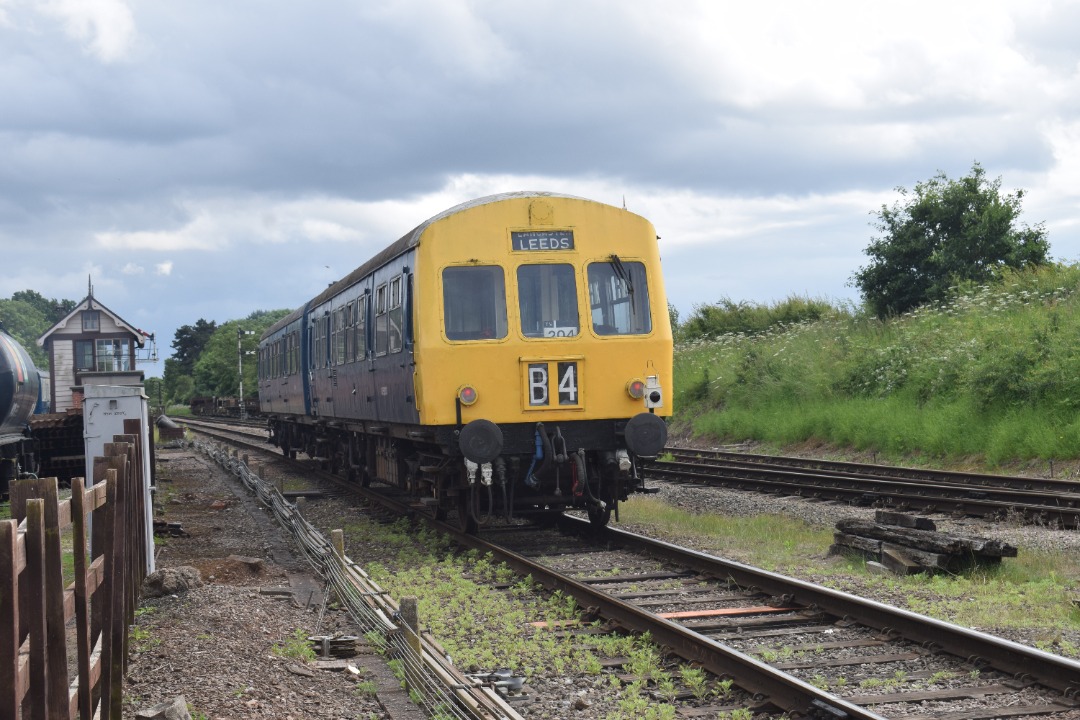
(624, 275)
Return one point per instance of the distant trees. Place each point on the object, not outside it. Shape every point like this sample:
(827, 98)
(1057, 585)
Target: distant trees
(27, 315)
(217, 367)
(945, 232)
(187, 345)
(189, 342)
(206, 360)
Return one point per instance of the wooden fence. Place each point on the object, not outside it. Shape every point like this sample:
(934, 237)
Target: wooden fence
(49, 666)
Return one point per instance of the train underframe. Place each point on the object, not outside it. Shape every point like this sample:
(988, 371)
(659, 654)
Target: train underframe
(18, 459)
(538, 473)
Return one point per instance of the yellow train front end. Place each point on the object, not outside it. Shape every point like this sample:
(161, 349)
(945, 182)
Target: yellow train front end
(543, 352)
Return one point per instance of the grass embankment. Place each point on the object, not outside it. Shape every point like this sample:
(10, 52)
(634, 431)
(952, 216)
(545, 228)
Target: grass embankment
(992, 375)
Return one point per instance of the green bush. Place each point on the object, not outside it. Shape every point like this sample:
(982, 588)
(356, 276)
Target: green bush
(730, 317)
(992, 372)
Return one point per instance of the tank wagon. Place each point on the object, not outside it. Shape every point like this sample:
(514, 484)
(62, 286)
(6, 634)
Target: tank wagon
(510, 356)
(20, 395)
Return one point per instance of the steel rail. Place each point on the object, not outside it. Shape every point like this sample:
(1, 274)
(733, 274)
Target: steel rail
(903, 492)
(769, 685)
(976, 647)
(943, 477)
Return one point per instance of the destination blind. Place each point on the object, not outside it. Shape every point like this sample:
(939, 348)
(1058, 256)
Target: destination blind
(541, 240)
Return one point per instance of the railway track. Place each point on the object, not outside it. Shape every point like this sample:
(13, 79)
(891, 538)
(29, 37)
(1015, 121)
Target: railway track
(1044, 501)
(779, 645)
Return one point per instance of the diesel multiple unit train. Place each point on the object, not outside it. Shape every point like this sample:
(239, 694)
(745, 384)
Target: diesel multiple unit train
(510, 356)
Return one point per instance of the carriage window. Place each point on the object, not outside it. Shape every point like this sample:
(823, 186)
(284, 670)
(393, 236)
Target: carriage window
(320, 342)
(547, 298)
(381, 336)
(350, 332)
(619, 298)
(395, 315)
(361, 327)
(474, 302)
(339, 336)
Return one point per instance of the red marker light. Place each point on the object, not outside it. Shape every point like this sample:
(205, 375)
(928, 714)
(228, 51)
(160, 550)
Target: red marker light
(467, 394)
(636, 389)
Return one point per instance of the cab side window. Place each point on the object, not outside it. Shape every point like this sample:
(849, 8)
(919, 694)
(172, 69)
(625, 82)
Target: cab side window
(474, 302)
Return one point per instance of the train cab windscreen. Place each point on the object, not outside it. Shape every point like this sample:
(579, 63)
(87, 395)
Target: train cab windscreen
(547, 299)
(619, 298)
(474, 302)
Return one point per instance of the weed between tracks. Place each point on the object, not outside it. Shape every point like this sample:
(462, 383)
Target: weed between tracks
(484, 628)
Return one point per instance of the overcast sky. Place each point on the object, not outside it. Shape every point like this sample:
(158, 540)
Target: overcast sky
(207, 159)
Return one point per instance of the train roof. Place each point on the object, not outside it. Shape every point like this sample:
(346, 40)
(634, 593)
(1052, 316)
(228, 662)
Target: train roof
(408, 241)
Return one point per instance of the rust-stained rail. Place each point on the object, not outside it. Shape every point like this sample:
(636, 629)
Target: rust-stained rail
(1043, 500)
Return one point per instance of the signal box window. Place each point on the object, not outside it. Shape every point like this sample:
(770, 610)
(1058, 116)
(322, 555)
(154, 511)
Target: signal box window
(547, 299)
(91, 320)
(474, 303)
(113, 355)
(84, 354)
(619, 298)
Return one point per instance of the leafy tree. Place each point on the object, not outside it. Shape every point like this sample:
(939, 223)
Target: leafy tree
(189, 342)
(155, 391)
(53, 310)
(26, 323)
(179, 385)
(946, 232)
(216, 369)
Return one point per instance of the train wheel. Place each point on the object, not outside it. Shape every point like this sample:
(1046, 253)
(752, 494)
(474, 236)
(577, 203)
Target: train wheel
(599, 517)
(466, 519)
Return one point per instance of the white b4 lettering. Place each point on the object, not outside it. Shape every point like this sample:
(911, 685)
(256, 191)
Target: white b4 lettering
(568, 390)
(538, 384)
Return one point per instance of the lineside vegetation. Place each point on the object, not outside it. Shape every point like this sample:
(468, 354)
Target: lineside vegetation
(991, 373)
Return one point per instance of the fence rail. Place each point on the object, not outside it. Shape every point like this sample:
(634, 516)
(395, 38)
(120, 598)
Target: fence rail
(48, 629)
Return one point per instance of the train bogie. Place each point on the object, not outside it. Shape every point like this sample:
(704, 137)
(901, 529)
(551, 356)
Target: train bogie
(509, 356)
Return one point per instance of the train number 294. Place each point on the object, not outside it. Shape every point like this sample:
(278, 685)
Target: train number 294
(540, 384)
